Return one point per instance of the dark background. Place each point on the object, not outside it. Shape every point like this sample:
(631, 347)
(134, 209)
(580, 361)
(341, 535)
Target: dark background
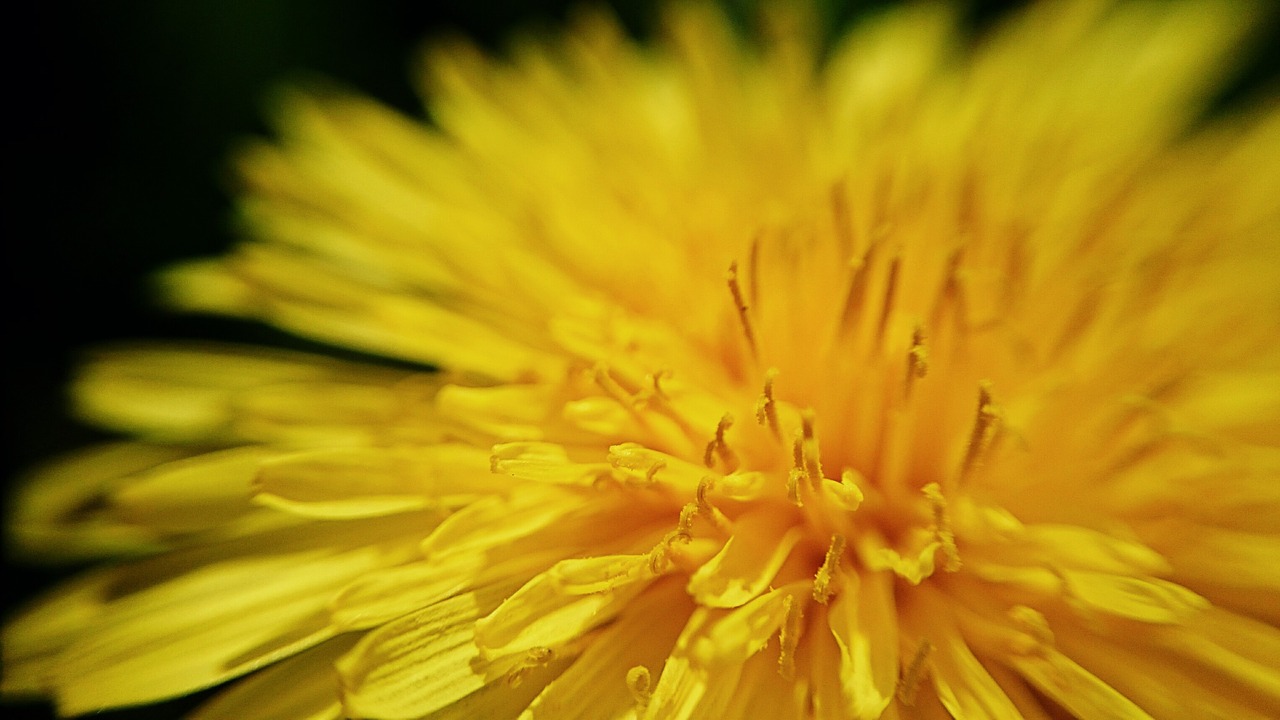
(120, 118)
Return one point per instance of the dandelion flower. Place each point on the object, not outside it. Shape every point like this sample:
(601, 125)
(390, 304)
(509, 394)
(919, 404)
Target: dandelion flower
(917, 378)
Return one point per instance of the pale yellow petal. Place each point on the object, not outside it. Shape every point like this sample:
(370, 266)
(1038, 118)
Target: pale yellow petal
(303, 687)
(642, 636)
(214, 392)
(749, 560)
(422, 662)
(191, 619)
(35, 636)
(363, 482)
(863, 620)
(744, 631)
(1065, 682)
(688, 688)
(59, 512)
(559, 606)
(1222, 665)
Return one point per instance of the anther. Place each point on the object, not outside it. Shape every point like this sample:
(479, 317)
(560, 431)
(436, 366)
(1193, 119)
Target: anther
(910, 682)
(684, 528)
(809, 449)
(891, 287)
(536, 657)
(942, 526)
(719, 448)
(984, 430)
(649, 475)
(741, 304)
(789, 637)
(600, 375)
(767, 407)
(640, 683)
(822, 581)
(660, 555)
(797, 472)
(706, 509)
(700, 495)
(793, 487)
(917, 359)
(653, 391)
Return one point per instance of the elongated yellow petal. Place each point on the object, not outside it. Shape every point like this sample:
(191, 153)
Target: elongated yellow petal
(363, 482)
(561, 604)
(864, 624)
(300, 687)
(748, 562)
(421, 663)
(165, 638)
(641, 637)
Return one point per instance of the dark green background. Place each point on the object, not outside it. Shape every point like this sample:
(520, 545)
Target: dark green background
(120, 116)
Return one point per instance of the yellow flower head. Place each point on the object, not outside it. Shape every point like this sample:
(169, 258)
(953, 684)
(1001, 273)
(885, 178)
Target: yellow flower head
(921, 378)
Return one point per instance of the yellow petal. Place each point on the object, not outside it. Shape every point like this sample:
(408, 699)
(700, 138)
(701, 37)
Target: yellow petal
(422, 662)
(215, 392)
(688, 688)
(320, 299)
(191, 619)
(863, 620)
(364, 482)
(960, 680)
(300, 688)
(761, 542)
(192, 494)
(545, 462)
(744, 631)
(562, 604)
(642, 636)
(1062, 680)
(496, 520)
(1147, 599)
(384, 595)
(1216, 664)
(62, 510)
(35, 637)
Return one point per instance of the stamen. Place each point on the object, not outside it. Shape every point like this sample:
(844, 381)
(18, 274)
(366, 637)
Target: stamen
(767, 407)
(797, 472)
(685, 526)
(984, 430)
(741, 304)
(847, 494)
(600, 375)
(660, 555)
(949, 294)
(822, 581)
(855, 297)
(651, 473)
(890, 289)
(718, 447)
(640, 683)
(942, 526)
(652, 392)
(536, 657)
(793, 487)
(840, 219)
(789, 637)
(706, 509)
(917, 359)
(812, 459)
(910, 681)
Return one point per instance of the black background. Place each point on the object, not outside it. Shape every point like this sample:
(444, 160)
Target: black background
(119, 120)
